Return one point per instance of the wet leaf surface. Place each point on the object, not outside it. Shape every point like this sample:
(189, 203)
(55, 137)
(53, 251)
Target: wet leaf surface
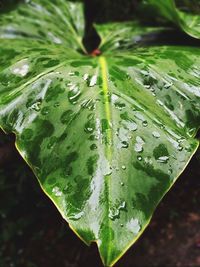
(32, 233)
(106, 136)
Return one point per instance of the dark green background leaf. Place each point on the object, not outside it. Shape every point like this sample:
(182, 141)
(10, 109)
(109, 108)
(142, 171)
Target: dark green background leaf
(187, 20)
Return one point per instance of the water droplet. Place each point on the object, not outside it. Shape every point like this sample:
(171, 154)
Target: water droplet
(36, 106)
(133, 226)
(93, 147)
(145, 123)
(170, 171)
(139, 144)
(138, 148)
(156, 134)
(131, 126)
(114, 212)
(160, 103)
(90, 116)
(123, 167)
(139, 116)
(107, 171)
(89, 127)
(72, 73)
(163, 159)
(122, 134)
(144, 73)
(106, 168)
(180, 148)
(122, 205)
(120, 105)
(57, 104)
(93, 81)
(45, 111)
(52, 142)
(89, 104)
(74, 94)
(148, 160)
(66, 116)
(168, 85)
(76, 216)
(191, 131)
(21, 68)
(125, 144)
(57, 192)
(114, 98)
(85, 76)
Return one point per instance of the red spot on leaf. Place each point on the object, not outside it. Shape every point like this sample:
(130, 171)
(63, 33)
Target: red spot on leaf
(96, 53)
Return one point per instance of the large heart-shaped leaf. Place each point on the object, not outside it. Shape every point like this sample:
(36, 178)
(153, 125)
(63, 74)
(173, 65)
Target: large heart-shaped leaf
(186, 20)
(107, 136)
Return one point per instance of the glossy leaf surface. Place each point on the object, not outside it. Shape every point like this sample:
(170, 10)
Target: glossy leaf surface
(108, 136)
(54, 21)
(186, 20)
(122, 36)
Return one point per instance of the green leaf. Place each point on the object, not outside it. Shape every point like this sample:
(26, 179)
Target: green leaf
(187, 20)
(107, 136)
(54, 21)
(122, 36)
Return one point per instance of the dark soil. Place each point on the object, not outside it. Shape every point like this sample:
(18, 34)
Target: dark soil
(33, 234)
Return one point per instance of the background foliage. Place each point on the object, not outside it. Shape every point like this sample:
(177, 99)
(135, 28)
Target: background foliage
(26, 214)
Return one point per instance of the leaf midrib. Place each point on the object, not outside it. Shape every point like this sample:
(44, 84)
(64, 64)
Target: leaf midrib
(109, 138)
